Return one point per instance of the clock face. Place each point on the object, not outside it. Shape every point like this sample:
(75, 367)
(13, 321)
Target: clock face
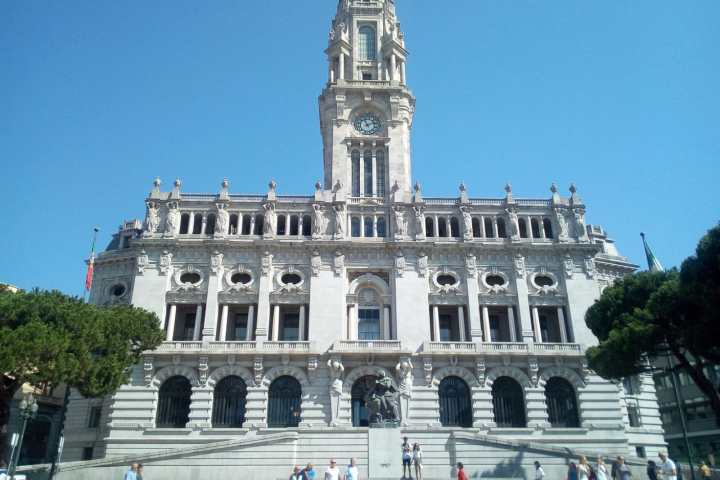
(367, 124)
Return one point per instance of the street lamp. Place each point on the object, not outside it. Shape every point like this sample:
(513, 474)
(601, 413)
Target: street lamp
(28, 410)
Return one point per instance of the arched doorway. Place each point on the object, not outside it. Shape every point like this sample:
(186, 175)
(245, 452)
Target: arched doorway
(229, 400)
(455, 403)
(174, 403)
(508, 403)
(561, 403)
(284, 398)
(359, 411)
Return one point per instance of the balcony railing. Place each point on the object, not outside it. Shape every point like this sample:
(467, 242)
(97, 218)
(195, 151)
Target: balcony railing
(370, 346)
(450, 347)
(558, 348)
(167, 347)
(287, 347)
(232, 347)
(504, 347)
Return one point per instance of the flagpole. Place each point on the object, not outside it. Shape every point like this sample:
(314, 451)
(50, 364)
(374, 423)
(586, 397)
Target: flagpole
(91, 266)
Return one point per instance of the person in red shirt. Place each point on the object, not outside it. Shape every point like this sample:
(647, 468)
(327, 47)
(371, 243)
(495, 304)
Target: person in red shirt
(461, 472)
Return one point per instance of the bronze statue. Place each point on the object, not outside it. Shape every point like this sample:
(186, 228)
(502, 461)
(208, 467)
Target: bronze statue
(382, 403)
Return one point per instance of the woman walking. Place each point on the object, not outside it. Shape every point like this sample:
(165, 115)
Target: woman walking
(572, 472)
(583, 469)
(601, 472)
(539, 472)
(417, 461)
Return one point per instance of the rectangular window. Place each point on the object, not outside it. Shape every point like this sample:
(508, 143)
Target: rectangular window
(633, 416)
(640, 452)
(94, 417)
(238, 330)
(188, 329)
(87, 453)
(367, 76)
(290, 331)
(369, 324)
(448, 328)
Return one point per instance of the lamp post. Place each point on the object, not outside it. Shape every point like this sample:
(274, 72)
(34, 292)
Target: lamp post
(28, 410)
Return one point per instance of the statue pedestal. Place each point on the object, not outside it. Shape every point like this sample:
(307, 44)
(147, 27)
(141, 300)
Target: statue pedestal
(384, 453)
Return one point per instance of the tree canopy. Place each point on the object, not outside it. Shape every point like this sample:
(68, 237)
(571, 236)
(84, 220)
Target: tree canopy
(651, 315)
(49, 339)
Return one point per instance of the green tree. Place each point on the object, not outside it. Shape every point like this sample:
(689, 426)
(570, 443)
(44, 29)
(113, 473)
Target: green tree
(650, 315)
(49, 339)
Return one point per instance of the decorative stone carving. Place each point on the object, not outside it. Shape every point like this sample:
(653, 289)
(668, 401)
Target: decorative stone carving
(318, 227)
(203, 369)
(569, 265)
(152, 219)
(266, 264)
(336, 370)
(222, 222)
(519, 263)
(471, 265)
(315, 263)
(422, 264)
(312, 366)
(580, 229)
(562, 224)
(172, 220)
(142, 262)
(513, 222)
(533, 370)
(339, 211)
(428, 370)
(339, 264)
(148, 370)
(216, 263)
(399, 222)
(480, 370)
(589, 266)
(467, 223)
(419, 213)
(382, 402)
(269, 223)
(165, 262)
(404, 370)
(258, 370)
(400, 263)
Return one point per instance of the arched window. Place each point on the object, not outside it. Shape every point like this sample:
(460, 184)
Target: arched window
(306, 225)
(502, 232)
(355, 227)
(234, 221)
(184, 223)
(429, 227)
(355, 161)
(174, 403)
(360, 389)
(197, 224)
(547, 226)
(368, 233)
(367, 174)
(454, 227)
(247, 220)
(442, 227)
(381, 227)
(380, 159)
(229, 403)
(210, 225)
(561, 403)
(369, 309)
(366, 43)
(259, 223)
(476, 227)
(284, 399)
(294, 225)
(489, 233)
(523, 228)
(455, 403)
(535, 228)
(508, 403)
(281, 224)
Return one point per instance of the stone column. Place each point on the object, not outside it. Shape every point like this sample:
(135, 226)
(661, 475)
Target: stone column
(436, 323)
(301, 336)
(528, 222)
(386, 323)
(541, 227)
(495, 227)
(263, 299)
(211, 301)
(402, 72)
(436, 227)
(482, 227)
(350, 315)
(561, 324)
(171, 323)
(250, 323)
(461, 323)
(198, 322)
(473, 309)
(191, 223)
(223, 324)
(375, 231)
(200, 407)
(276, 323)
(204, 224)
(393, 67)
(486, 323)
(361, 167)
(536, 325)
(536, 405)
(300, 225)
(523, 307)
(511, 323)
(341, 66)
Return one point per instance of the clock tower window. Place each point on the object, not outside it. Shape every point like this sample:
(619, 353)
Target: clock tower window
(367, 43)
(368, 174)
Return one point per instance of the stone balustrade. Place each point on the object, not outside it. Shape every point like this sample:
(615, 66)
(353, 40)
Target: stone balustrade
(367, 346)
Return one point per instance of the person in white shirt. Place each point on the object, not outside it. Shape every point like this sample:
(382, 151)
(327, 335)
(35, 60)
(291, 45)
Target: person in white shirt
(539, 472)
(332, 472)
(352, 473)
(583, 469)
(667, 466)
(417, 461)
(601, 472)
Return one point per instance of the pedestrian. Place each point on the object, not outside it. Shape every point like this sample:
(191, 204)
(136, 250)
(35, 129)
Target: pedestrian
(601, 471)
(461, 472)
(667, 467)
(139, 472)
(583, 469)
(418, 461)
(332, 472)
(352, 473)
(308, 472)
(652, 470)
(131, 474)
(572, 472)
(623, 471)
(705, 472)
(296, 473)
(406, 457)
(539, 472)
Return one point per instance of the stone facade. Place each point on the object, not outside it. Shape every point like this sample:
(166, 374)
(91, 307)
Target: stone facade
(364, 275)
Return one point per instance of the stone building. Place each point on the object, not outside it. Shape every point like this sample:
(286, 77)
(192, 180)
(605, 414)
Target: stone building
(281, 310)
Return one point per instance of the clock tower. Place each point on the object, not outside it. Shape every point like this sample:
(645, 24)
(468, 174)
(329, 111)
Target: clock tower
(366, 109)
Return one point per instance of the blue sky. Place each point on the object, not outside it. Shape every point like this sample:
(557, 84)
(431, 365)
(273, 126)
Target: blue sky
(98, 97)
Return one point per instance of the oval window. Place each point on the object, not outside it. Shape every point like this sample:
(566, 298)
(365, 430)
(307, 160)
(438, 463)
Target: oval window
(117, 290)
(190, 277)
(291, 279)
(446, 280)
(241, 278)
(495, 280)
(544, 281)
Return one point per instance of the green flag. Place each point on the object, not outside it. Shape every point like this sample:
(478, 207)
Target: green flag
(654, 264)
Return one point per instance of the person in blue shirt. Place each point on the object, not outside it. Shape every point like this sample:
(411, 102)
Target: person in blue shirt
(309, 472)
(131, 474)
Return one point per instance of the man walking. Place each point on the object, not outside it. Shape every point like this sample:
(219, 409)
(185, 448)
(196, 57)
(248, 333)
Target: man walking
(668, 467)
(131, 474)
(406, 457)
